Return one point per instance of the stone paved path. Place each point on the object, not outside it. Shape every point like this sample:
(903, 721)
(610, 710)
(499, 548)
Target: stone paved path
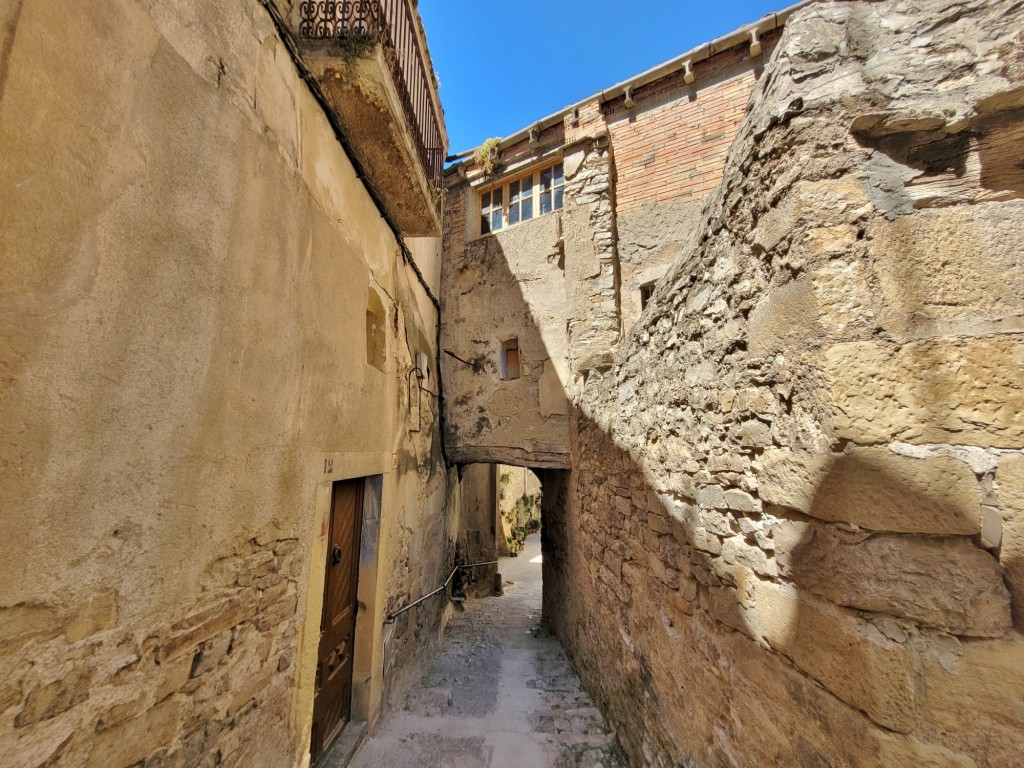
(501, 693)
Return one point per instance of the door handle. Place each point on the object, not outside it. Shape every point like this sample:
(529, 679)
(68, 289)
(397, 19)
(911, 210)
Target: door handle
(336, 555)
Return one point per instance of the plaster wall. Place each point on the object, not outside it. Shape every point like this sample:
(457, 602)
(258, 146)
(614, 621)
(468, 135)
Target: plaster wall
(651, 237)
(187, 260)
(504, 286)
(478, 529)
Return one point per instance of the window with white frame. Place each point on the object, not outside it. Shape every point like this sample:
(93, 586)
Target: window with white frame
(521, 199)
(491, 210)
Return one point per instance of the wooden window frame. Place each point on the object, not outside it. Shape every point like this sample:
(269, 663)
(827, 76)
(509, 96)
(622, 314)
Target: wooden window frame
(510, 208)
(510, 360)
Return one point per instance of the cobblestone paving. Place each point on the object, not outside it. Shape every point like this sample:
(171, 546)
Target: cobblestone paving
(500, 694)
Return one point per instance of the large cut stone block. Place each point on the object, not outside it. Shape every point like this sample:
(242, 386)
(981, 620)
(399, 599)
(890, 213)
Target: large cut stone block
(929, 287)
(126, 744)
(783, 319)
(876, 489)
(949, 584)
(973, 697)
(22, 623)
(848, 656)
(936, 391)
(1010, 478)
(56, 698)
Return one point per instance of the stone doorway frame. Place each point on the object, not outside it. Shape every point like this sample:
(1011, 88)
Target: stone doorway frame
(368, 672)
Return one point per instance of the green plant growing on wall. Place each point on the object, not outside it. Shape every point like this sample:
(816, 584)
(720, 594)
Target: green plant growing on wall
(486, 154)
(516, 540)
(522, 521)
(355, 43)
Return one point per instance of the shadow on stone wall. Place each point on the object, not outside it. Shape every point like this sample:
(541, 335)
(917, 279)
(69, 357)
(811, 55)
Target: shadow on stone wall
(776, 543)
(837, 611)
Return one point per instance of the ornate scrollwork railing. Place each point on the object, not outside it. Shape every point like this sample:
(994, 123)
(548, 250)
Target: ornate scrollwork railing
(329, 19)
(394, 23)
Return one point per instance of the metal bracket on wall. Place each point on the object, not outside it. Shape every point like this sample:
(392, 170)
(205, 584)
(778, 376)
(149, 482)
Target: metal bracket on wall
(420, 389)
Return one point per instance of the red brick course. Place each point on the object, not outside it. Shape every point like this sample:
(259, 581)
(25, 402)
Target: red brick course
(673, 142)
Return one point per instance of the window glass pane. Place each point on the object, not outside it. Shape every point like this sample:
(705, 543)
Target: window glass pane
(496, 219)
(558, 197)
(485, 225)
(545, 178)
(527, 208)
(559, 174)
(513, 191)
(485, 201)
(527, 185)
(497, 197)
(513, 213)
(545, 202)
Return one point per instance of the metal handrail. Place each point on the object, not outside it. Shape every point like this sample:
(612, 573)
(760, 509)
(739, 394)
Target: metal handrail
(393, 22)
(390, 618)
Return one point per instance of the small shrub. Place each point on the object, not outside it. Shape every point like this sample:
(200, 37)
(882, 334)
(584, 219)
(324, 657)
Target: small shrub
(486, 154)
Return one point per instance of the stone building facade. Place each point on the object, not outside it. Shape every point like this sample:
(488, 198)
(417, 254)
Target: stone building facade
(782, 520)
(756, 324)
(211, 322)
(636, 162)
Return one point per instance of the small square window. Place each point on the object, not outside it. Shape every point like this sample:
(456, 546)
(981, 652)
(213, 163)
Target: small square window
(646, 292)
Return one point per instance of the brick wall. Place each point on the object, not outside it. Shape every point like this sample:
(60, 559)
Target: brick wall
(673, 142)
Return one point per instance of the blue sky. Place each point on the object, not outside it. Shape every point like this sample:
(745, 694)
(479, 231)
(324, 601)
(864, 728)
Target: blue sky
(503, 65)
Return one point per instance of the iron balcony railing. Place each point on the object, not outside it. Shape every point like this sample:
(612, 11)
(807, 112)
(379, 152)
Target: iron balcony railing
(393, 23)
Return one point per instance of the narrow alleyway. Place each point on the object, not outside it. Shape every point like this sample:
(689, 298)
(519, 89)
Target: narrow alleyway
(501, 693)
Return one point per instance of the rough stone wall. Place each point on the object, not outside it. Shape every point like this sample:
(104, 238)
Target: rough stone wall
(792, 530)
(591, 254)
(187, 255)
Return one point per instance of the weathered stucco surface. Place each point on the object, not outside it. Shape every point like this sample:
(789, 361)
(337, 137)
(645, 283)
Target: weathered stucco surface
(187, 266)
(509, 285)
(791, 533)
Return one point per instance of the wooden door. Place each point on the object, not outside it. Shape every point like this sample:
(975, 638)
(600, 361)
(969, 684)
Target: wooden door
(332, 701)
